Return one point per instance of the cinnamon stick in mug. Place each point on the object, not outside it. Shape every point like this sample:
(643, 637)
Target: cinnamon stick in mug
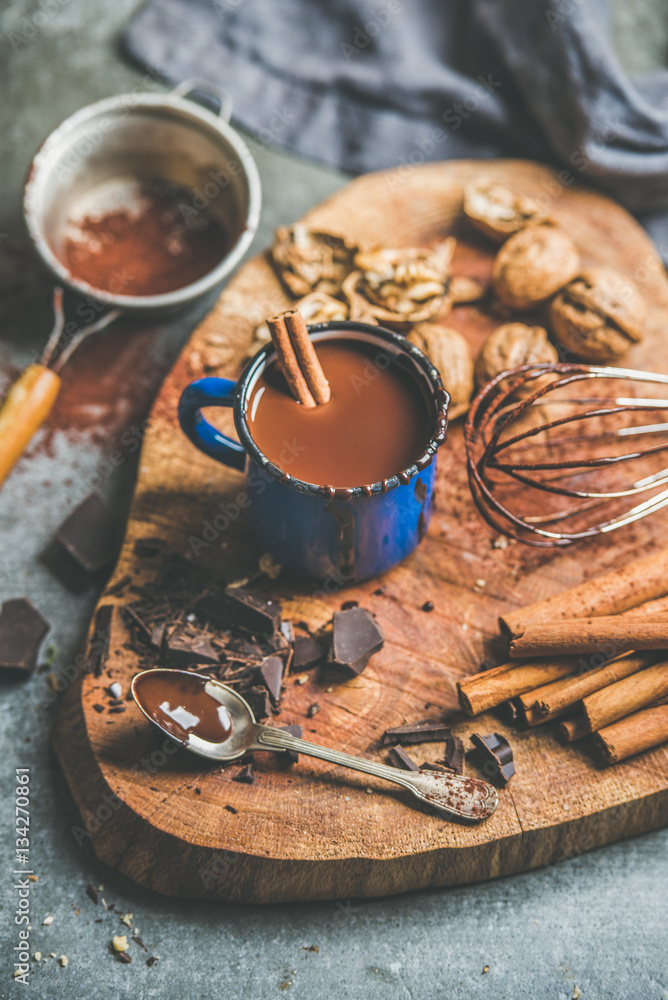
(640, 731)
(589, 635)
(626, 696)
(609, 594)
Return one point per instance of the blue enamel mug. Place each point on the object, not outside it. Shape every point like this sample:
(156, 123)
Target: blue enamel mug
(327, 534)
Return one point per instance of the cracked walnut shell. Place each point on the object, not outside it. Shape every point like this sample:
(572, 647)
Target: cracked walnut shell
(495, 211)
(534, 264)
(450, 353)
(510, 346)
(307, 261)
(599, 315)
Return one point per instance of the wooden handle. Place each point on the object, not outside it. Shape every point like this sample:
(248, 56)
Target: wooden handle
(26, 407)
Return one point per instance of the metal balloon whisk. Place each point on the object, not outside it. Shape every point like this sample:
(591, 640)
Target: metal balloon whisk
(559, 452)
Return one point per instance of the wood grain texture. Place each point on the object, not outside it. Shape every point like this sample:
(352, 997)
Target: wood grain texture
(313, 831)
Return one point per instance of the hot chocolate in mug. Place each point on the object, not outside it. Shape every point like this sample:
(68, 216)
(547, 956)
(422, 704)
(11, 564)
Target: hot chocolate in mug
(342, 491)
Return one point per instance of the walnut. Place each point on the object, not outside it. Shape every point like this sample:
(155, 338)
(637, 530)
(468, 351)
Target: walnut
(450, 353)
(534, 264)
(496, 211)
(599, 315)
(463, 290)
(400, 287)
(307, 261)
(510, 346)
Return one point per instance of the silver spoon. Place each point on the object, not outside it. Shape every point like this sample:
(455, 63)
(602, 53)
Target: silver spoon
(448, 794)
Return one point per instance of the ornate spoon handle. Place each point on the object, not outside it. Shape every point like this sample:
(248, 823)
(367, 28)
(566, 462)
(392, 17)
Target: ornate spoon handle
(449, 794)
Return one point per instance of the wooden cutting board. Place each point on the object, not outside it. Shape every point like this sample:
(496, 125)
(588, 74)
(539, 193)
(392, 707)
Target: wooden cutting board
(314, 831)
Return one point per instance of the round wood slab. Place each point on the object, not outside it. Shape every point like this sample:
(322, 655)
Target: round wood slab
(314, 831)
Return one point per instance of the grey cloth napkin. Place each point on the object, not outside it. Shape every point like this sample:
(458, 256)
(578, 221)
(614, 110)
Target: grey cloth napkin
(367, 84)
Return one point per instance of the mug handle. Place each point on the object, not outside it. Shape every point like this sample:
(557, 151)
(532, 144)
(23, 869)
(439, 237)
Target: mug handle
(210, 392)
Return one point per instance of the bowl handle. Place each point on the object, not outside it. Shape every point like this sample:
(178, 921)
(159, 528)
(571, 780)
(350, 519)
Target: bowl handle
(207, 94)
(210, 392)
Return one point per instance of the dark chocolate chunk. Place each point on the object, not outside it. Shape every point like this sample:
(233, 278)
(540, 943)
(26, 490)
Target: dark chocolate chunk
(231, 809)
(89, 534)
(271, 673)
(138, 940)
(313, 710)
(259, 701)
(243, 610)
(151, 961)
(245, 776)
(307, 653)
(98, 648)
(98, 708)
(454, 753)
(290, 756)
(434, 765)
(399, 758)
(418, 732)
(92, 893)
(510, 712)
(22, 629)
(117, 710)
(493, 755)
(186, 647)
(428, 606)
(356, 635)
(124, 957)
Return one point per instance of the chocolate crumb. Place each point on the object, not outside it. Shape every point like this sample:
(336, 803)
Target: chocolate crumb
(313, 710)
(245, 776)
(347, 605)
(124, 957)
(231, 809)
(117, 710)
(138, 940)
(151, 961)
(379, 590)
(98, 708)
(428, 606)
(198, 791)
(92, 893)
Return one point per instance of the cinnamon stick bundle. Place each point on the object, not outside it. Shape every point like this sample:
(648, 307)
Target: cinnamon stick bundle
(635, 733)
(609, 594)
(554, 699)
(492, 687)
(626, 696)
(298, 360)
(610, 635)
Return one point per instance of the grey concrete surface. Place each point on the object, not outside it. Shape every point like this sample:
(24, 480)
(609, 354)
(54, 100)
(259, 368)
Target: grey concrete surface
(594, 926)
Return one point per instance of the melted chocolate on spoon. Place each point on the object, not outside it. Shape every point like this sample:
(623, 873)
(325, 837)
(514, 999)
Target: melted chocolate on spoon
(179, 704)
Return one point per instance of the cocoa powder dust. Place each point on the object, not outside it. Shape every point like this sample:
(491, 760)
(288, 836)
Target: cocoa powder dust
(134, 236)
